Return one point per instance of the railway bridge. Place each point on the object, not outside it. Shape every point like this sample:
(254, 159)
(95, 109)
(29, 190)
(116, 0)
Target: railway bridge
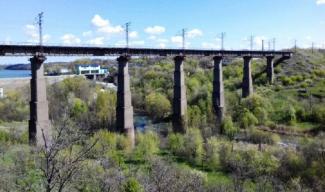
(39, 123)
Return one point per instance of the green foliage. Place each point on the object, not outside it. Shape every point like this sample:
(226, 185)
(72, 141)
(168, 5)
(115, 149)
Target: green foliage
(288, 115)
(213, 147)
(106, 108)
(14, 107)
(176, 143)
(4, 136)
(132, 185)
(261, 137)
(79, 108)
(193, 145)
(157, 105)
(249, 163)
(228, 128)
(247, 119)
(291, 165)
(147, 144)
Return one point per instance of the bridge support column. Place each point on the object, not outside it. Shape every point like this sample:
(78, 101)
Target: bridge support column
(179, 101)
(124, 109)
(39, 123)
(218, 98)
(270, 69)
(247, 86)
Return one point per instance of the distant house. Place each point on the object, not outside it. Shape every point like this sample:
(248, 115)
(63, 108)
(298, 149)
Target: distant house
(1, 93)
(92, 69)
(65, 71)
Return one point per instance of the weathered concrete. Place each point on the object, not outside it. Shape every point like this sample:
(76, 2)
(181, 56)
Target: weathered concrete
(124, 109)
(270, 69)
(247, 86)
(218, 98)
(179, 101)
(39, 124)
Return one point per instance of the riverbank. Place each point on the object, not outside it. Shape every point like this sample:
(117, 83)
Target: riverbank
(20, 82)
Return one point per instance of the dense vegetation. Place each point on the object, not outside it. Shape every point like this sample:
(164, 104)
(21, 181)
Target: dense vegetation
(273, 140)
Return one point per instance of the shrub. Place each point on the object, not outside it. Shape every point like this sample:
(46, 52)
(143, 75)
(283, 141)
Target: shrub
(261, 137)
(106, 143)
(79, 107)
(4, 136)
(132, 185)
(228, 128)
(157, 105)
(147, 144)
(176, 143)
(193, 145)
(213, 147)
(247, 119)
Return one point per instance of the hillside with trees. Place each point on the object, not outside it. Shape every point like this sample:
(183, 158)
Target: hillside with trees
(271, 141)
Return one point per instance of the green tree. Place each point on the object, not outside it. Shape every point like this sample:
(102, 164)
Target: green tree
(132, 185)
(228, 128)
(79, 108)
(105, 109)
(157, 105)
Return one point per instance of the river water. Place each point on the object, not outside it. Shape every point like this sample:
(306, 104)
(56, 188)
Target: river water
(14, 73)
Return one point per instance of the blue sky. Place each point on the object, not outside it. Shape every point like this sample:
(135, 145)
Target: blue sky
(158, 23)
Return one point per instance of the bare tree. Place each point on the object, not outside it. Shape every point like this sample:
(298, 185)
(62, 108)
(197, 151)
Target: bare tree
(63, 156)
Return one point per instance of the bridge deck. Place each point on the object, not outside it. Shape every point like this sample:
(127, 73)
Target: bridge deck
(29, 50)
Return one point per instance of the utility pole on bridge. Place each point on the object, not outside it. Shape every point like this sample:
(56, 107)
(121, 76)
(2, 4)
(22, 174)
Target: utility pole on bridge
(127, 25)
(183, 38)
(40, 30)
(222, 38)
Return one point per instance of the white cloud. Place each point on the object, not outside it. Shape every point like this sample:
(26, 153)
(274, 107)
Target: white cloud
(133, 34)
(87, 33)
(194, 33)
(207, 45)
(70, 39)
(176, 39)
(131, 43)
(96, 41)
(155, 30)
(162, 40)
(320, 2)
(308, 38)
(104, 25)
(98, 21)
(137, 43)
(152, 37)
(162, 45)
(258, 40)
(33, 34)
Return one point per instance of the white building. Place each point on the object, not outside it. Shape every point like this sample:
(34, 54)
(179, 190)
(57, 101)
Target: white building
(1, 93)
(92, 69)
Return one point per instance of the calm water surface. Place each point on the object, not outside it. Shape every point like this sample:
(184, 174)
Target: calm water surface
(14, 73)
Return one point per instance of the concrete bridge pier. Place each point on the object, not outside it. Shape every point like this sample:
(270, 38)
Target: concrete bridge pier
(179, 101)
(124, 109)
(218, 98)
(39, 123)
(270, 69)
(247, 86)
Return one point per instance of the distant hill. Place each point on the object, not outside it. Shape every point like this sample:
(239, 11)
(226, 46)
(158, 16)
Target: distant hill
(18, 67)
